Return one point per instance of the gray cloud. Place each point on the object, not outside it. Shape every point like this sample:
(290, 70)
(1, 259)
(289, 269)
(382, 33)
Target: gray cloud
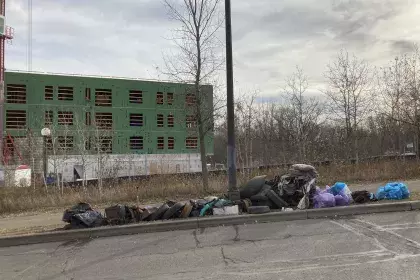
(403, 46)
(127, 37)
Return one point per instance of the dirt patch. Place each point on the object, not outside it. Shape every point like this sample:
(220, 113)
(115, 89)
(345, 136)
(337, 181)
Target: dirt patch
(30, 230)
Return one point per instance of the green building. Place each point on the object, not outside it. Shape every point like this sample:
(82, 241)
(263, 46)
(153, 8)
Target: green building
(112, 126)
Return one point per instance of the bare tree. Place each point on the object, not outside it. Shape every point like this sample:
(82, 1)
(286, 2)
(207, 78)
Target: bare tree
(60, 143)
(83, 146)
(392, 82)
(197, 59)
(244, 134)
(349, 94)
(102, 144)
(306, 111)
(410, 109)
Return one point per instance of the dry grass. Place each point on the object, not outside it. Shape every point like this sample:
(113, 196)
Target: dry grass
(370, 172)
(156, 189)
(364, 172)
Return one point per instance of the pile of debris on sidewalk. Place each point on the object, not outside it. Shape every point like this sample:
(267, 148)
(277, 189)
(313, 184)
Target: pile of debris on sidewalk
(295, 190)
(83, 215)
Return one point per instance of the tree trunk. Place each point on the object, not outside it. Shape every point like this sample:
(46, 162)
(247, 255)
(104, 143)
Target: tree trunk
(205, 173)
(416, 143)
(356, 148)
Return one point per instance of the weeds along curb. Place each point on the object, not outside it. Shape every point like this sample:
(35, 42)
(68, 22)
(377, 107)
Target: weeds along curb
(195, 223)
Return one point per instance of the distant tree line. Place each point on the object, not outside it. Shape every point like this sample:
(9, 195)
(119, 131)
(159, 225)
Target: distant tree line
(362, 112)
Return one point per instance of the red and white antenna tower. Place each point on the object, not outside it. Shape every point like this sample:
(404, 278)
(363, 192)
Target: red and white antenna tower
(6, 34)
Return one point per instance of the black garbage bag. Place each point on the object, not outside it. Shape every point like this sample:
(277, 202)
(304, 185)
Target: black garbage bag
(262, 194)
(77, 209)
(82, 216)
(87, 219)
(253, 187)
(361, 196)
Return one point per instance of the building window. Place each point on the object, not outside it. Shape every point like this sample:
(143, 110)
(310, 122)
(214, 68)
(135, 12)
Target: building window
(87, 94)
(88, 118)
(65, 93)
(65, 118)
(136, 96)
(171, 143)
(105, 144)
(161, 143)
(49, 93)
(191, 122)
(65, 143)
(49, 143)
(190, 99)
(103, 97)
(136, 119)
(103, 120)
(15, 119)
(48, 118)
(16, 94)
(191, 143)
(171, 120)
(170, 98)
(136, 143)
(159, 98)
(160, 120)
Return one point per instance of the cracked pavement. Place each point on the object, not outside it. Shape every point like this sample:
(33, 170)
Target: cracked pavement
(380, 246)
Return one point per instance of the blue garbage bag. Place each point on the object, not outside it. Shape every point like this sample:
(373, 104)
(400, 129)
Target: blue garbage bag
(337, 188)
(341, 193)
(393, 191)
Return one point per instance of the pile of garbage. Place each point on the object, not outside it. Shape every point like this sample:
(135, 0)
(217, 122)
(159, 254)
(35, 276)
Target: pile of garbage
(295, 190)
(83, 215)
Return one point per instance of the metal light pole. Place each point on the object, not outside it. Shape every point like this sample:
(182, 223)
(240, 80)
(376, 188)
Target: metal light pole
(45, 132)
(233, 193)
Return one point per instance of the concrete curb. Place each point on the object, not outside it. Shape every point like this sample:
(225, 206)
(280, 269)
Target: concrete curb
(195, 223)
(360, 209)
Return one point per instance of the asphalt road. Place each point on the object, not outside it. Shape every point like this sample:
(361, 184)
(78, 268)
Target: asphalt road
(381, 246)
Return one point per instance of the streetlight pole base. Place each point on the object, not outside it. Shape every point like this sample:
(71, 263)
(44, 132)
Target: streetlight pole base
(234, 195)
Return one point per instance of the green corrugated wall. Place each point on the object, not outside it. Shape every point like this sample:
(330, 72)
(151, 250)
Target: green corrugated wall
(36, 105)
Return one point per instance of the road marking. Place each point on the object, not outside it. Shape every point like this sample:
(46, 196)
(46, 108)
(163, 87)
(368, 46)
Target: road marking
(357, 232)
(389, 231)
(257, 272)
(401, 225)
(402, 228)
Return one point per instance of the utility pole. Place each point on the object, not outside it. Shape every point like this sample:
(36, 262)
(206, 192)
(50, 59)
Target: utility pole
(233, 192)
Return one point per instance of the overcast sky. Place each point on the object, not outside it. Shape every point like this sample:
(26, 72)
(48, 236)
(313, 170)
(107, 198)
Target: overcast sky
(127, 37)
